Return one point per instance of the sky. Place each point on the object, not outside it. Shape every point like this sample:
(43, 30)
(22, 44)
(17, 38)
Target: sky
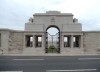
(15, 13)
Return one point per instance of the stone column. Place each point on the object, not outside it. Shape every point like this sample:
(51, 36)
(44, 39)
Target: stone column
(62, 41)
(33, 41)
(24, 45)
(71, 41)
(43, 41)
(81, 41)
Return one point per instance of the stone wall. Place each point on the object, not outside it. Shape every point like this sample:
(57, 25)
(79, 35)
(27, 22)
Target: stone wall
(12, 42)
(15, 42)
(91, 42)
(4, 41)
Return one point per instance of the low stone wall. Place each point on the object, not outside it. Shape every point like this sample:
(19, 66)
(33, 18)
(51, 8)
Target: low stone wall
(91, 42)
(13, 43)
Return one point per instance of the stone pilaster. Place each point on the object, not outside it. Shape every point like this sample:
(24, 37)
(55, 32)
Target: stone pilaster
(24, 43)
(43, 41)
(81, 41)
(34, 41)
(62, 41)
(71, 41)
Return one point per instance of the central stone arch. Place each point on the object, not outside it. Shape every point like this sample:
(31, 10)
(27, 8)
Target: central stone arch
(52, 41)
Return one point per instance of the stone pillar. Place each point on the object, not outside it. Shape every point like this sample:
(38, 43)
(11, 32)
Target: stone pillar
(62, 41)
(81, 41)
(43, 41)
(24, 45)
(33, 41)
(71, 41)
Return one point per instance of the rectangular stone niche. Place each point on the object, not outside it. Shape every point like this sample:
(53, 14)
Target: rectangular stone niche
(67, 40)
(29, 40)
(76, 41)
(38, 40)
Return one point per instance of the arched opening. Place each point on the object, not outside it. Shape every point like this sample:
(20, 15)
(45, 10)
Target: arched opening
(52, 39)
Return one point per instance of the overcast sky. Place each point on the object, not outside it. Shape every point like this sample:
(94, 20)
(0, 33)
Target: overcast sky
(15, 13)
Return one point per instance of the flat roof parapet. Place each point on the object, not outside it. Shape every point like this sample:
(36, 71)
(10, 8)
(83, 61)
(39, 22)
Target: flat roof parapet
(53, 13)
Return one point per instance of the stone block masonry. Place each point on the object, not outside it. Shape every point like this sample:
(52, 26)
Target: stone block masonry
(15, 42)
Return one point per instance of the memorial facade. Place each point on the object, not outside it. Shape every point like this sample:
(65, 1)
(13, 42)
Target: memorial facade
(36, 40)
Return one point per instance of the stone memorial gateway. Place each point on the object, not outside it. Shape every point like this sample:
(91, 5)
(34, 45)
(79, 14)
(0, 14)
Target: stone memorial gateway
(36, 40)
